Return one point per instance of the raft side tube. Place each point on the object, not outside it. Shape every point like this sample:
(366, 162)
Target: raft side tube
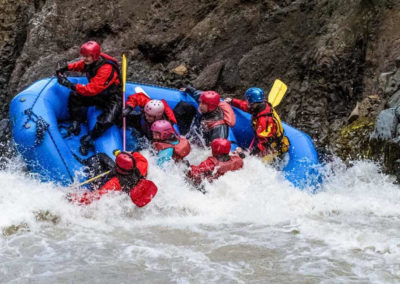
(45, 100)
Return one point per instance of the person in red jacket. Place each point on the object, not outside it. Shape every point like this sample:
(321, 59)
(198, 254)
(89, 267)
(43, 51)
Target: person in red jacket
(216, 116)
(153, 110)
(168, 144)
(103, 90)
(216, 165)
(269, 133)
(127, 176)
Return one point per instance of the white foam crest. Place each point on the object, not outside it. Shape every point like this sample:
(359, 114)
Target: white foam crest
(256, 194)
(21, 196)
(355, 210)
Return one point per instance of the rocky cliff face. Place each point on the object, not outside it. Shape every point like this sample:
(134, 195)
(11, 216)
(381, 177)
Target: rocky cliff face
(330, 53)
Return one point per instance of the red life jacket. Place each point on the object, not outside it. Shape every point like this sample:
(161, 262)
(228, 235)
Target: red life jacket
(225, 115)
(279, 142)
(221, 168)
(181, 150)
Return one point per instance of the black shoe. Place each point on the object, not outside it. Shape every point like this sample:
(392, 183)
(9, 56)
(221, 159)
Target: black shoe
(86, 144)
(75, 128)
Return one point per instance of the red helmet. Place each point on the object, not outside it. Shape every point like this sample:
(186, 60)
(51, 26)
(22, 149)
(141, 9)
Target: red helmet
(125, 163)
(91, 48)
(211, 99)
(163, 127)
(220, 146)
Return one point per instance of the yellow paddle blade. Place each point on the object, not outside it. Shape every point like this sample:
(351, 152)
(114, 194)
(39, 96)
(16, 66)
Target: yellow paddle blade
(123, 72)
(277, 92)
(93, 178)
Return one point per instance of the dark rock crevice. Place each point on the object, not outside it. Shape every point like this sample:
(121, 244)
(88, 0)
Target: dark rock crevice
(100, 33)
(159, 53)
(38, 4)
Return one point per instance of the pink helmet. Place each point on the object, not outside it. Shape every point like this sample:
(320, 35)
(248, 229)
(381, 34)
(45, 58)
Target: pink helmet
(154, 108)
(91, 48)
(163, 127)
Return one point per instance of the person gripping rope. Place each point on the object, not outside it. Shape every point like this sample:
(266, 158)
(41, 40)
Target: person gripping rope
(216, 165)
(167, 143)
(215, 116)
(153, 110)
(127, 176)
(103, 90)
(269, 133)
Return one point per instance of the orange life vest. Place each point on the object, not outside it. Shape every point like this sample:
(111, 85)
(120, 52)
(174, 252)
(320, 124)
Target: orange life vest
(228, 117)
(181, 150)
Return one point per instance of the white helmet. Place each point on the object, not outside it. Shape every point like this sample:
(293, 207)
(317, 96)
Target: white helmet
(154, 108)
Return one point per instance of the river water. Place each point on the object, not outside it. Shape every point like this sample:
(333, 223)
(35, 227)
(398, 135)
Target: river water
(251, 227)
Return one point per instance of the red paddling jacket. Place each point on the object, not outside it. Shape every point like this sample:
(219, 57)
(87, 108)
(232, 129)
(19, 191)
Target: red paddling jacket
(267, 127)
(140, 190)
(212, 168)
(102, 75)
(141, 99)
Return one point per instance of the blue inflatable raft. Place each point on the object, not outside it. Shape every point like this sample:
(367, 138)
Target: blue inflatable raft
(39, 113)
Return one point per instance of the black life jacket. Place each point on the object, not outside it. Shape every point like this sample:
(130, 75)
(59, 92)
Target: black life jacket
(208, 119)
(129, 178)
(127, 182)
(114, 90)
(91, 70)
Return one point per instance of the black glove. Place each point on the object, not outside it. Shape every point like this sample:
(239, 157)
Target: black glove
(62, 80)
(127, 111)
(190, 90)
(86, 144)
(61, 70)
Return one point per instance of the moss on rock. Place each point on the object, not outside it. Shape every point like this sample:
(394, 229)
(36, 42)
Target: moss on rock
(352, 141)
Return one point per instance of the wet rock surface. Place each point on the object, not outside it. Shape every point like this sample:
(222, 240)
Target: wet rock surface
(330, 53)
(6, 145)
(385, 139)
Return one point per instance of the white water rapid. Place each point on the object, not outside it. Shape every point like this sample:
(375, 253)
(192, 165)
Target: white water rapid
(251, 227)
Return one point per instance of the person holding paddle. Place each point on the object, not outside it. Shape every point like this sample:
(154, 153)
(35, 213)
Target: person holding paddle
(127, 175)
(269, 133)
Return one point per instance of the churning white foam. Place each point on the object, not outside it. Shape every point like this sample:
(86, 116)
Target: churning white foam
(347, 231)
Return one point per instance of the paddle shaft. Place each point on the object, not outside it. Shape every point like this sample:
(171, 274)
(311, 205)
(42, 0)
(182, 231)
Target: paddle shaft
(124, 128)
(93, 178)
(123, 101)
